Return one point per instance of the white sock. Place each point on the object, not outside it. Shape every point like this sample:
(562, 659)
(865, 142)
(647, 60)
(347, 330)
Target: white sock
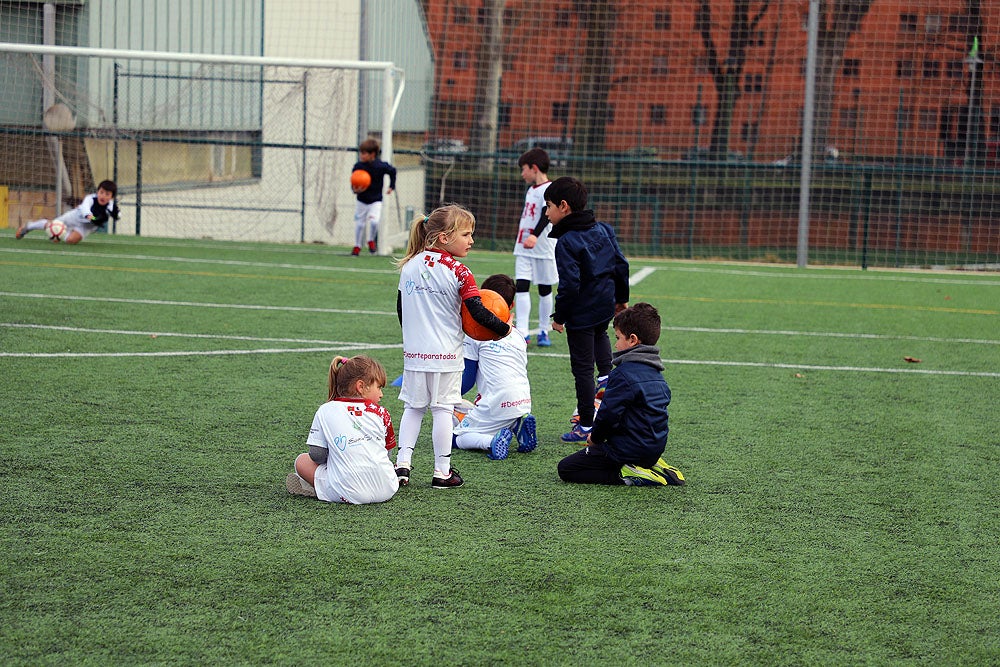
(409, 429)
(545, 312)
(522, 312)
(441, 437)
(473, 441)
(35, 225)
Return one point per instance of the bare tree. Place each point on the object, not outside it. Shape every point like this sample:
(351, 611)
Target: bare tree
(590, 108)
(727, 72)
(489, 70)
(838, 21)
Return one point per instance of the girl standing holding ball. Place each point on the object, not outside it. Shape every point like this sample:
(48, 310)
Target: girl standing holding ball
(433, 285)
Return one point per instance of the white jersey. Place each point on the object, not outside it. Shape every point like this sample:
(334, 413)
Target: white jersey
(432, 286)
(79, 217)
(502, 383)
(534, 202)
(357, 436)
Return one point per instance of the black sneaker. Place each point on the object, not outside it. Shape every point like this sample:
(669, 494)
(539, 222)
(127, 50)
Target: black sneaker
(451, 481)
(403, 475)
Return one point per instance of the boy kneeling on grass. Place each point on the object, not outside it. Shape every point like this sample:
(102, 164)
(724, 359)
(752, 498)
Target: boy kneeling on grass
(629, 435)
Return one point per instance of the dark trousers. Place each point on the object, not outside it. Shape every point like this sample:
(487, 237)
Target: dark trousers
(587, 348)
(590, 466)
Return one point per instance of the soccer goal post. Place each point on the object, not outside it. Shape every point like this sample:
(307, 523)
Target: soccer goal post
(201, 145)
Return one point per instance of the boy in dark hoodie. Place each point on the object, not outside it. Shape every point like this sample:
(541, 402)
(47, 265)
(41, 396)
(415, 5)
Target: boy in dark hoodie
(593, 286)
(626, 443)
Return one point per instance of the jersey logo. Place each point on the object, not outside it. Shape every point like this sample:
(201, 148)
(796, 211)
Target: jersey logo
(340, 442)
(356, 410)
(429, 260)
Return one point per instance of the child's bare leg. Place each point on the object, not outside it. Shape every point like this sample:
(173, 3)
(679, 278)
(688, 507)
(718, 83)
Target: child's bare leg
(306, 468)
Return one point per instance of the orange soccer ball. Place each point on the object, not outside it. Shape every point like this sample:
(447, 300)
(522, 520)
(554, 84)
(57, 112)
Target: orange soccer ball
(360, 179)
(495, 303)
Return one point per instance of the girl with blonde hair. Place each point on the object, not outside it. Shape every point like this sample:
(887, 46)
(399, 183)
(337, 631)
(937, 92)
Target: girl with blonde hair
(433, 285)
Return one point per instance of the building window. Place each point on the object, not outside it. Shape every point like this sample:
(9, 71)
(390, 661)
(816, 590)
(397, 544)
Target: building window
(503, 114)
(759, 39)
(928, 119)
(908, 22)
(701, 66)
(848, 118)
(995, 122)
(560, 62)
(904, 118)
(460, 60)
(661, 20)
(657, 114)
(753, 83)
(932, 24)
(659, 66)
(955, 69)
(932, 69)
(560, 112)
(562, 18)
(904, 69)
(958, 23)
(460, 14)
(852, 68)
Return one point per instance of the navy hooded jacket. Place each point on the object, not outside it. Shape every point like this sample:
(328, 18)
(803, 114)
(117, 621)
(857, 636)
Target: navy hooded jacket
(631, 424)
(593, 272)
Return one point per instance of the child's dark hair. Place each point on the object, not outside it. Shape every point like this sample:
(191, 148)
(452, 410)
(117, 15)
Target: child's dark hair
(568, 189)
(641, 320)
(370, 146)
(344, 373)
(503, 285)
(108, 186)
(535, 156)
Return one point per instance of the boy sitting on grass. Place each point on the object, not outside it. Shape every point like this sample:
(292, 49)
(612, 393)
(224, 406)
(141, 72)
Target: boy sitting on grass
(626, 444)
(499, 370)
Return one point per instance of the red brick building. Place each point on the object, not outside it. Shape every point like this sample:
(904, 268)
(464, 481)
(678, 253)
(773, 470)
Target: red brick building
(902, 87)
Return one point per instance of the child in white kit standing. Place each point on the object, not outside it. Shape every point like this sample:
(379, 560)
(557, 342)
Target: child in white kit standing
(349, 441)
(433, 285)
(499, 369)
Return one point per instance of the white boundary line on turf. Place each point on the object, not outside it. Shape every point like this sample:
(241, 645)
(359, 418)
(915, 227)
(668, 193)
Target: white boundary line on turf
(640, 275)
(168, 334)
(195, 353)
(345, 311)
(220, 262)
(806, 367)
(198, 304)
(833, 334)
(797, 273)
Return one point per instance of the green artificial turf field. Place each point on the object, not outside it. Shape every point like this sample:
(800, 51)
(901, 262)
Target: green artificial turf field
(841, 505)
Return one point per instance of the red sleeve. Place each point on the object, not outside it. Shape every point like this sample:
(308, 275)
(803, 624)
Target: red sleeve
(390, 434)
(466, 282)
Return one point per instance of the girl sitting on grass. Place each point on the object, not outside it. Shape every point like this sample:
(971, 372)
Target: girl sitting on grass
(350, 439)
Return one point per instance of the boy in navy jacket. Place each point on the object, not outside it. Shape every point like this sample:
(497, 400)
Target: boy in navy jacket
(626, 443)
(593, 286)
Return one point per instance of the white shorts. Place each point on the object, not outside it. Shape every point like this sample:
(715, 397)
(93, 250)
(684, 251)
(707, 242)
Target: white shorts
(481, 421)
(541, 271)
(423, 389)
(367, 213)
(84, 229)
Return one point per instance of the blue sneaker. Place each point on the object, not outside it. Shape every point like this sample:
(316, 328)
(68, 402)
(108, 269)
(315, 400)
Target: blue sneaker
(578, 435)
(543, 340)
(527, 437)
(500, 445)
(527, 340)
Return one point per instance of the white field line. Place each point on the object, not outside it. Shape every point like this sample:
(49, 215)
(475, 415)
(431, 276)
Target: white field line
(640, 275)
(833, 334)
(845, 275)
(806, 367)
(220, 262)
(332, 346)
(807, 274)
(198, 304)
